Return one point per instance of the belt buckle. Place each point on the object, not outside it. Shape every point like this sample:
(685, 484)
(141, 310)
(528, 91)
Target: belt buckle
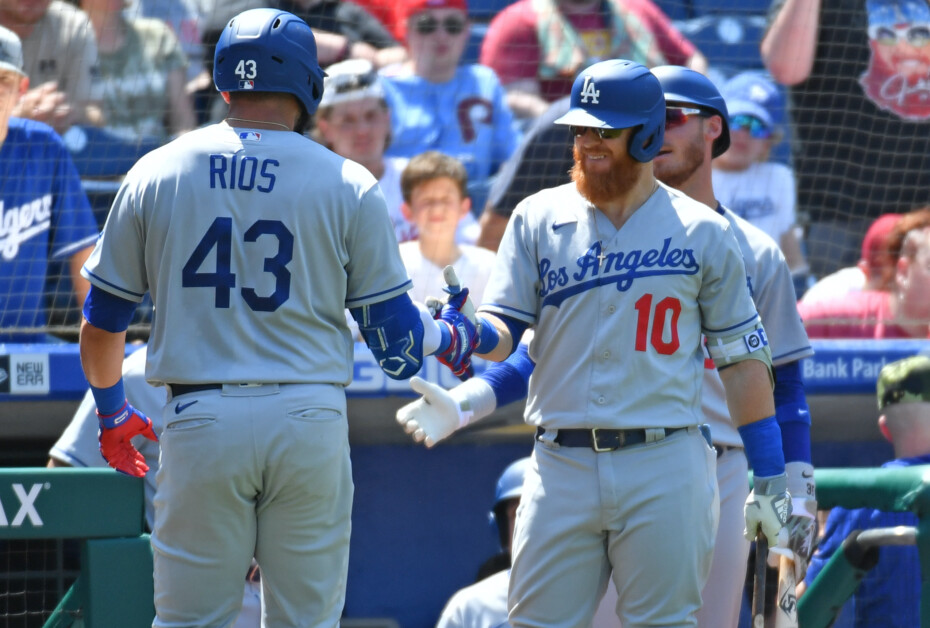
(598, 449)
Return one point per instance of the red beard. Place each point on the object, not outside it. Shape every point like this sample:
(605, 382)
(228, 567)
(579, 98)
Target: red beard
(601, 188)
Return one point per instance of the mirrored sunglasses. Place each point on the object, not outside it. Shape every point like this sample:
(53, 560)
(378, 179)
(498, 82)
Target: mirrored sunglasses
(753, 125)
(676, 116)
(427, 24)
(917, 35)
(604, 134)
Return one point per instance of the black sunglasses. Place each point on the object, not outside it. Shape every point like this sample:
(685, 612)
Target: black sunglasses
(604, 134)
(426, 24)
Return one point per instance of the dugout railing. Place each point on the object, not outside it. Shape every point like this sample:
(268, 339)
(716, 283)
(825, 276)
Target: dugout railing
(892, 490)
(103, 511)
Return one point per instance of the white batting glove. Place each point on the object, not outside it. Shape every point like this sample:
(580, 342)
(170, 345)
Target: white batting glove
(802, 523)
(440, 412)
(767, 509)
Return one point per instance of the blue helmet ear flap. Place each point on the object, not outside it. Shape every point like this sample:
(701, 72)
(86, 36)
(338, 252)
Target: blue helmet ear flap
(646, 142)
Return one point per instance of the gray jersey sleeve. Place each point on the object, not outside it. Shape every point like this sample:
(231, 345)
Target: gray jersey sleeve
(375, 269)
(773, 291)
(725, 301)
(515, 272)
(123, 260)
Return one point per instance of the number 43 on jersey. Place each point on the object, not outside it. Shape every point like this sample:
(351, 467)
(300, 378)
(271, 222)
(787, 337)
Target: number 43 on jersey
(219, 238)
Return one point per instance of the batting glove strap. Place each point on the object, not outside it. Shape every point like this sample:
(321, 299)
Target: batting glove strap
(774, 485)
(475, 399)
(801, 483)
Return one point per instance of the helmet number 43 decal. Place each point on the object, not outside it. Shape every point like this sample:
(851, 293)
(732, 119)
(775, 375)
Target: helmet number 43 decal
(246, 69)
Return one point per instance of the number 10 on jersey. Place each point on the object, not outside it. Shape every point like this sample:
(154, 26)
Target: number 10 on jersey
(646, 316)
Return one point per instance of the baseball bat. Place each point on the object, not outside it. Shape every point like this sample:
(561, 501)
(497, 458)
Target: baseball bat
(786, 606)
(758, 582)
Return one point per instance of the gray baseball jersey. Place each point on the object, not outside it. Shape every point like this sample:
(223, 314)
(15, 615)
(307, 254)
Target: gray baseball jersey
(251, 243)
(773, 292)
(619, 313)
(480, 605)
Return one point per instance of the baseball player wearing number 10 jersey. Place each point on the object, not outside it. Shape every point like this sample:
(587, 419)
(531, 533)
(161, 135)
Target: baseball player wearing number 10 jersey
(620, 276)
(252, 239)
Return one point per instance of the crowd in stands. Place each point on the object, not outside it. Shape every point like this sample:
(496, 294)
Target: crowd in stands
(827, 119)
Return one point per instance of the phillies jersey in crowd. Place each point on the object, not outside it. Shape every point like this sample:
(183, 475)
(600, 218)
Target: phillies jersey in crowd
(44, 215)
(466, 117)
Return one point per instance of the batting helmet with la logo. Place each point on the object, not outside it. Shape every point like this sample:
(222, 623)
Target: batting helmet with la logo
(620, 94)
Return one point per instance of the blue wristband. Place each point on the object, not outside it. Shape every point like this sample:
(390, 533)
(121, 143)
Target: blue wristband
(109, 400)
(762, 441)
(509, 379)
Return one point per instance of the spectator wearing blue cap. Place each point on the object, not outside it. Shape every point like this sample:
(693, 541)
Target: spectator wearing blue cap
(745, 179)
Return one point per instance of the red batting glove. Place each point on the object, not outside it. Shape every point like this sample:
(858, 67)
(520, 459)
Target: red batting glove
(116, 432)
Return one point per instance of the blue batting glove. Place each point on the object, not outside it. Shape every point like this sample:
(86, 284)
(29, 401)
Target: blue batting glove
(463, 332)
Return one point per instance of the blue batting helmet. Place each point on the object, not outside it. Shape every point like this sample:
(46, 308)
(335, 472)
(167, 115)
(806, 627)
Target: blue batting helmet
(509, 486)
(686, 87)
(619, 94)
(267, 50)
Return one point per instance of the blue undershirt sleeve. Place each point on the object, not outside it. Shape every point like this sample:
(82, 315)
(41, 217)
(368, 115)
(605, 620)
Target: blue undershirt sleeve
(510, 379)
(792, 413)
(104, 310)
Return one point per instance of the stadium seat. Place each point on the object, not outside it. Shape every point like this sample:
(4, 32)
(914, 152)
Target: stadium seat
(101, 153)
(473, 47)
(714, 7)
(676, 9)
(730, 42)
(485, 10)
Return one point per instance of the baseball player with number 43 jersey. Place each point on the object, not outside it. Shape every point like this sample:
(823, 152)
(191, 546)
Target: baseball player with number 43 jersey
(620, 276)
(252, 240)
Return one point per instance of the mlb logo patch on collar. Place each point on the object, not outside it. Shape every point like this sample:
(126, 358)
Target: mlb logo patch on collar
(246, 84)
(250, 136)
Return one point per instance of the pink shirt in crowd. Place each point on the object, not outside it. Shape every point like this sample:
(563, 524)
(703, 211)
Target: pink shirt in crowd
(512, 49)
(864, 314)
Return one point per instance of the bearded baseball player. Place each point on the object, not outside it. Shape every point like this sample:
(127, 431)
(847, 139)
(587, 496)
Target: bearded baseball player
(696, 131)
(252, 239)
(622, 478)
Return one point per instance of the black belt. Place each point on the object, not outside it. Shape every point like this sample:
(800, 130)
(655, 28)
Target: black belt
(186, 389)
(722, 449)
(601, 440)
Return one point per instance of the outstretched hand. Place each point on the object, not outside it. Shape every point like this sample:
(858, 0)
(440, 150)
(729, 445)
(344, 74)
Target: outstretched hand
(433, 417)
